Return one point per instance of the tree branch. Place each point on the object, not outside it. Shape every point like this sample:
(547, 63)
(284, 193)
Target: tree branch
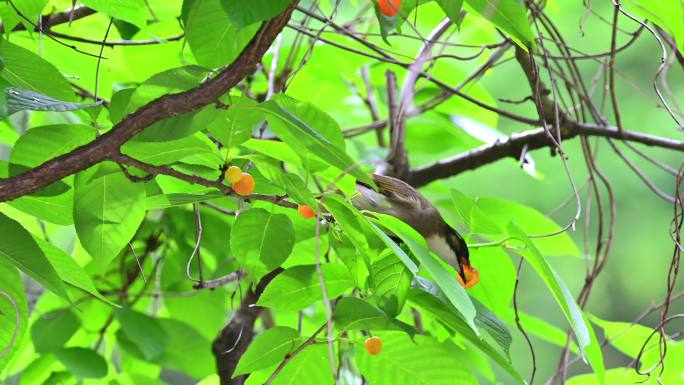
(235, 338)
(533, 139)
(108, 144)
(51, 20)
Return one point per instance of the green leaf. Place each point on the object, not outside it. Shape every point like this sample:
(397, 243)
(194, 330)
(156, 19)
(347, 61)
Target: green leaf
(447, 314)
(24, 69)
(300, 134)
(82, 362)
(629, 338)
(12, 285)
(68, 270)
(261, 240)
(9, 18)
(108, 209)
(244, 14)
(171, 151)
(54, 329)
(509, 15)
(292, 184)
(668, 14)
(405, 362)
(19, 99)
(616, 376)
(194, 356)
(398, 251)
(177, 127)
(586, 340)
(284, 153)
(132, 11)
(268, 348)
(163, 201)
(443, 278)
(171, 81)
(452, 8)
(300, 286)
(18, 247)
(144, 331)
(474, 218)
(40, 144)
(484, 319)
(310, 367)
(235, 125)
(33, 148)
(390, 280)
(531, 221)
(214, 39)
(349, 218)
(353, 313)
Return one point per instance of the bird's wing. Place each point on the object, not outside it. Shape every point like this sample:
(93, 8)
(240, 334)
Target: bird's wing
(401, 193)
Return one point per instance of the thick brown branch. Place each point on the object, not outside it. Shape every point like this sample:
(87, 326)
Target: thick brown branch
(531, 140)
(166, 106)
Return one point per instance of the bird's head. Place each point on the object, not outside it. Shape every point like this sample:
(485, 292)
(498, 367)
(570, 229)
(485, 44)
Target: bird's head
(467, 274)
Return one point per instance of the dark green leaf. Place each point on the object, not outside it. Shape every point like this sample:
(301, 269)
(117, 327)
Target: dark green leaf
(244, 14)
(82, 362)
(144, 331)
(52, 330)
(191, 352)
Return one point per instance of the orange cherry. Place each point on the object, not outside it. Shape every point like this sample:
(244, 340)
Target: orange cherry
(389, 8)
(306, 211)
(245, 185)
(373, 345)
(472, 277)
(233, 174)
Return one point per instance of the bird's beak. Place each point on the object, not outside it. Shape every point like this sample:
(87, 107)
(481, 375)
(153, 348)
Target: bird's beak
(468, 275)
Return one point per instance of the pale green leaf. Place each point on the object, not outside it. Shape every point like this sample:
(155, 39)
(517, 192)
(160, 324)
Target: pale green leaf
(261, 240)
(108, 209)
(268, 348)
(18, 247)
(300, 286)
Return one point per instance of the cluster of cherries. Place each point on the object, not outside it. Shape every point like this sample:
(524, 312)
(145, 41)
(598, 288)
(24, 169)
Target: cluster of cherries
(243, 184)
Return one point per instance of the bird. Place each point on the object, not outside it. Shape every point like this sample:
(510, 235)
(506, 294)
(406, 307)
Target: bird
(399, 199)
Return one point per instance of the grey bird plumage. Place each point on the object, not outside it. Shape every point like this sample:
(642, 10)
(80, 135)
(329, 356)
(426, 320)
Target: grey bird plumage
(399, 199)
